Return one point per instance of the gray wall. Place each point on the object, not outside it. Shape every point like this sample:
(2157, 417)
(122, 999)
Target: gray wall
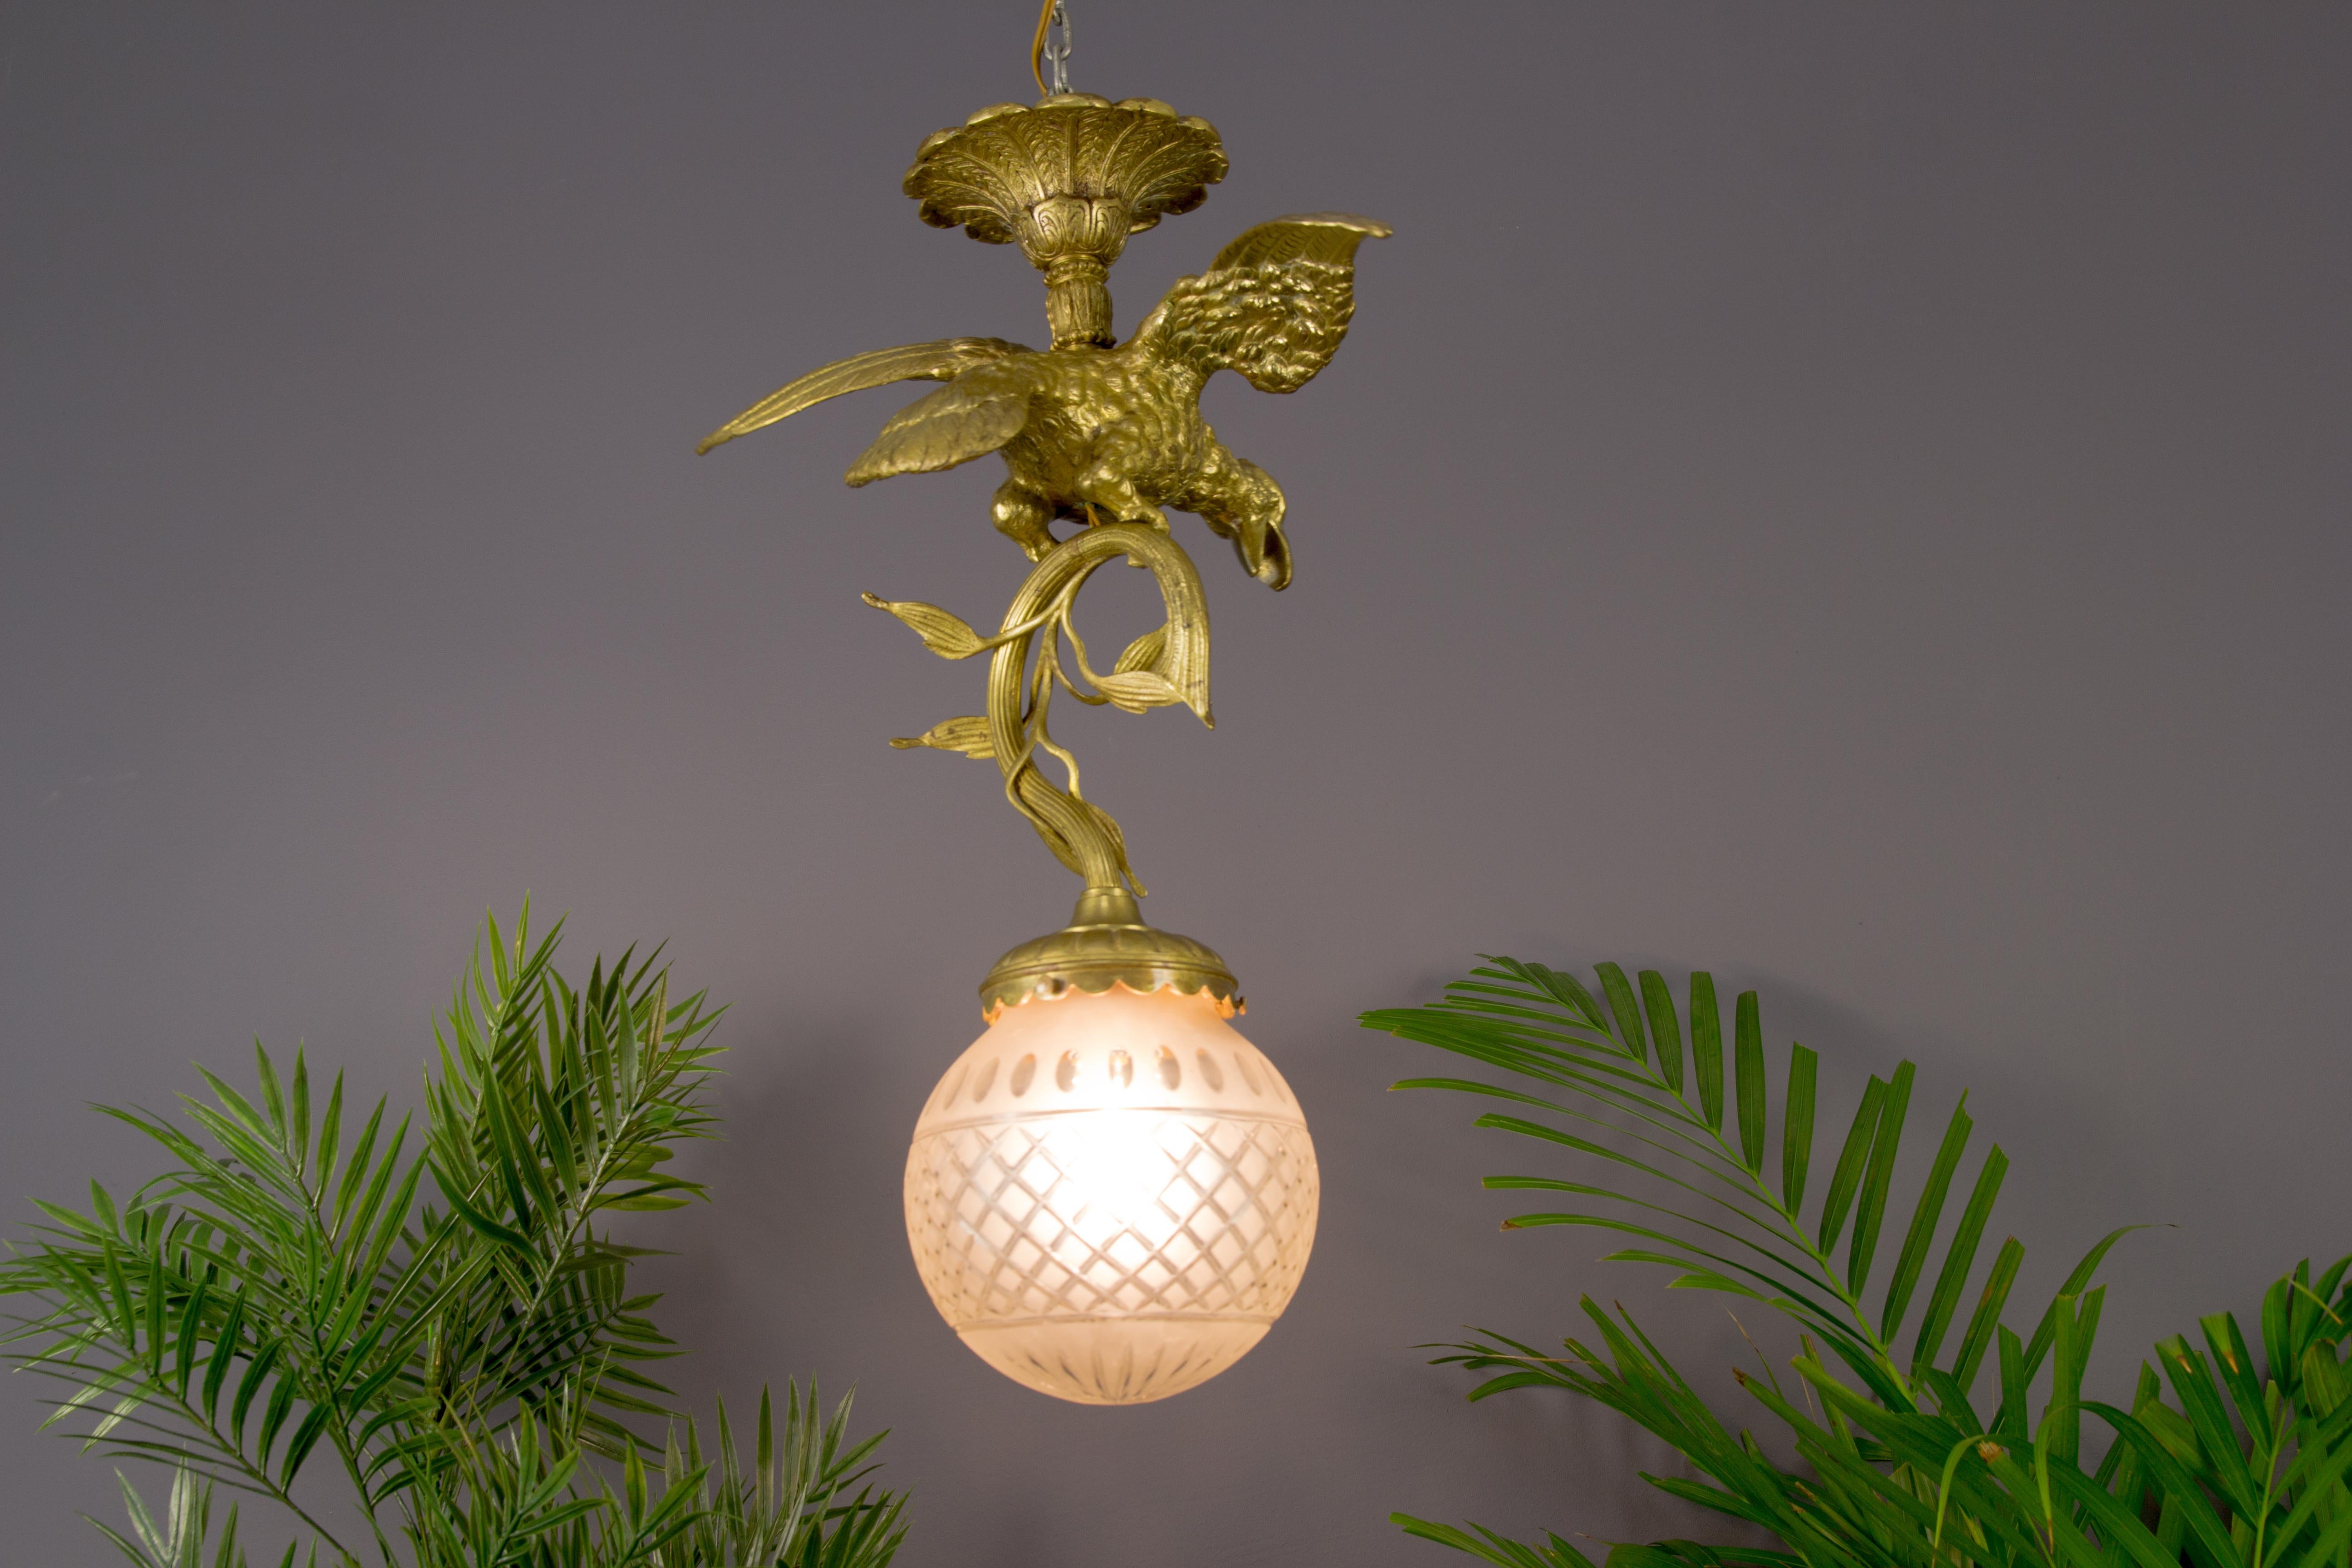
(1854, 497)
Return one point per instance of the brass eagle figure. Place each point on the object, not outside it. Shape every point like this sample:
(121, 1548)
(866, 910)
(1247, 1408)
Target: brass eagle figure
(1100, 434)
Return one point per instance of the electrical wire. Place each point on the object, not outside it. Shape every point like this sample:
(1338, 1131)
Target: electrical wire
(1049, 13)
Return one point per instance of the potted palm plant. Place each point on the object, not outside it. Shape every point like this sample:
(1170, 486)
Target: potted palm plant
(2224, 1457)
(429, 1322)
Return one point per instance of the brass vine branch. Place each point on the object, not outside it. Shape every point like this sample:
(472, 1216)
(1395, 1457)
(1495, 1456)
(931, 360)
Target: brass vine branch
(1163, 668)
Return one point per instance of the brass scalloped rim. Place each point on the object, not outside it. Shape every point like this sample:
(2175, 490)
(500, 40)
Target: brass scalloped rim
(1221, 989)
(1156, 108)
(1094, 958)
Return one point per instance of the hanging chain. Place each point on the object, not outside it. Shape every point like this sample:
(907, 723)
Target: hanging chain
(1060, 57)
(1051, 15)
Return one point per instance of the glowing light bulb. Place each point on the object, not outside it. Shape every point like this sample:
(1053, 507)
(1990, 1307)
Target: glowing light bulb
(1111, 1196)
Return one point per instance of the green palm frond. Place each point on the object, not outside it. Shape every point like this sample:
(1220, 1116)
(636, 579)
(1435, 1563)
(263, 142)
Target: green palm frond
(235, 1312)
(1704, 1197)
(793, 1503)
(446, 1318)
(2246, 1466)
(1500, 1550)
(516, 1498)
(183, 1537)
(553, 1107)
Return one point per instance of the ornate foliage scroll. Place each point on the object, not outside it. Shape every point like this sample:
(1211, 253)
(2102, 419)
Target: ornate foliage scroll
(1161, 669)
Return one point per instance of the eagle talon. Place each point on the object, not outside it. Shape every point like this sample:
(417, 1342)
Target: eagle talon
(1020, 515)
(1104, 490)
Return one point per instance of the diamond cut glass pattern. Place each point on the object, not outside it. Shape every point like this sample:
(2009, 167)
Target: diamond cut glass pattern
(1127, 1227)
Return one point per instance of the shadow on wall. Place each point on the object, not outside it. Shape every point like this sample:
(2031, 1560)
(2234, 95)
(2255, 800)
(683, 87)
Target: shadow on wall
(802, 1227)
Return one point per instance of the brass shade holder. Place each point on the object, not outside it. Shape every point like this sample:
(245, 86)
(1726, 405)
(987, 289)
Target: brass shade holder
(1107, 944)
(1105, 436)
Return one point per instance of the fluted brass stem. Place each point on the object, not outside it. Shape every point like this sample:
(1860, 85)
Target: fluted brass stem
(1077, 302)
(1107, 907)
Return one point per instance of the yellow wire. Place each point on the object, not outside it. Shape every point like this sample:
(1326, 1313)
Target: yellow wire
(1037, 46)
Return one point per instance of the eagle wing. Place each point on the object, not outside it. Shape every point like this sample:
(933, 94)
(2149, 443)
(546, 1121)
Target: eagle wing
(1276, 302)
(970, 417)
(942, 360)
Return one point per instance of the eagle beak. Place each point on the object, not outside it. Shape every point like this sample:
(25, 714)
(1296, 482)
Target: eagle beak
(1272, 567)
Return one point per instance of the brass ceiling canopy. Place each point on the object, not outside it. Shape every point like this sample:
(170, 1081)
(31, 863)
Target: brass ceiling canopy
(1068, 181)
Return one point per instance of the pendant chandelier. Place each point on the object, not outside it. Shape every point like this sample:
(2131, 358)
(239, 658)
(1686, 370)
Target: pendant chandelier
(1111, 1195)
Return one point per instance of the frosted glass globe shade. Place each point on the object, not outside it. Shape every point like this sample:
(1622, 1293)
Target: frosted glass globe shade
(1111, 1198)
